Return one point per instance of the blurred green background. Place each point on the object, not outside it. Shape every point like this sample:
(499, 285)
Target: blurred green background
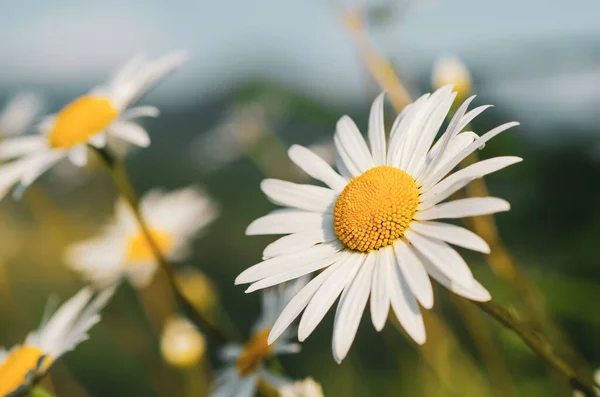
(263, 76)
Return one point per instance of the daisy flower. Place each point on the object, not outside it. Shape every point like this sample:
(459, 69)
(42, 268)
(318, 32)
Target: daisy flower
(89, 119)
(373, 230)
(67, 328)
(181, 344)
(451, 70)
(306, 388)
(245, 363)
(19, 113)
(122, 251)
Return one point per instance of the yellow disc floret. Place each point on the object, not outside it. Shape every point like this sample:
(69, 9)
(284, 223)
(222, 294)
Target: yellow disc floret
(375, 208)
(255, 351)
(14, 369)
(80, 120)
(139, 249)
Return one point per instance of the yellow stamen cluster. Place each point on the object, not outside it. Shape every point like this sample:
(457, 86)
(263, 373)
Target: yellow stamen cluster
(139, 249)
(80, 120)
(17, 365)
(255, 351)
(375, 208)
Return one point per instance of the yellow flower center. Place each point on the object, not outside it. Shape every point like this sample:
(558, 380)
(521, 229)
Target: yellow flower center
(255, 351)
(80, 120)
(139, 249)
(14, 370)
(375, 208)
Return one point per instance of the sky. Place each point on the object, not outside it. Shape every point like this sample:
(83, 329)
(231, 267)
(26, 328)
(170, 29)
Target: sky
(71, 44)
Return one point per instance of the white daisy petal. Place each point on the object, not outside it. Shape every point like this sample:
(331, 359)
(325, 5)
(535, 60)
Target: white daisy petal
(326, 295)
(78, 155)
(130, 132)
(350, 310)
(285, 221)
(440, 173)
(299, 302)
(458, 143)
(37, 166)
(441, 100)
(397, 135)
(414, 273)
(472, 290)
(377, 131)
(98, 140)
(448, 185)
(405, 306)
(442, 256)
(352, 143)
(20, 146)
(140, 111)
(452, 234)
(304, 197)
(341, 166)
(230, 352)
(462, 208)
(380, 300)
(298, 241)
(398, 155)
(299, 271)
(285, 263)
(316, 167)
(247, 387)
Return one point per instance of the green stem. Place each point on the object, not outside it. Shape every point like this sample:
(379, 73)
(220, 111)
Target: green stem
(538, 344)
(119, 176)
(39, 391)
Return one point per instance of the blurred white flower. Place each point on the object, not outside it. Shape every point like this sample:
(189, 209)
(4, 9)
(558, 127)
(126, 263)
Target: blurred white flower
(89, 119)
(451, 70)
(373, 231)
(174, 220)
(306, 388)
(245, 363)
(19, 113)
(181, 344)
(60, 334)
(241, 130)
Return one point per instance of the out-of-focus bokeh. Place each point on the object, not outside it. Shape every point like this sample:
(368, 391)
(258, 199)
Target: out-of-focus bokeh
(262, 75)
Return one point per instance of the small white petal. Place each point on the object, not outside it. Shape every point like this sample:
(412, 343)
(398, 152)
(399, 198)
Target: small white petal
(350, 311)
(98, 140)
(316, 167)
(414, 273)
(473, 206)
(285, 221)
(452, 234)
(472, 290)
(299, 302)
(449, 185)
(405, 306)
(20, 146)
(432, 179)
(130, 132)
(78, 155)
(377, 131)
(298, 241)
(442, 256)
(352, 146)
(285, 263)
(304, 197)
(140, 111)
(326, 295)
(380, 300)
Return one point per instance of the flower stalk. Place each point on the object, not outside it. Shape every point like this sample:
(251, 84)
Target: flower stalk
(538, 343)
(121, 180)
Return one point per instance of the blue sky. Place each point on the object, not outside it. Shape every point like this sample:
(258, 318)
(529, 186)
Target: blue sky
(72, 44)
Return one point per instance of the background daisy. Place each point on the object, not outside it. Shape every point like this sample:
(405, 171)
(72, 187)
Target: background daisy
(245, 363)
(89, 119)
(19, 113)
(61, 333)
(373, 229)
(174, 218)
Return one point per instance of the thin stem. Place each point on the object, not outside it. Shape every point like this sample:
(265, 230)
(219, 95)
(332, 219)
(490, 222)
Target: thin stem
(538, 344)
(119, 176)
(39, 391)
